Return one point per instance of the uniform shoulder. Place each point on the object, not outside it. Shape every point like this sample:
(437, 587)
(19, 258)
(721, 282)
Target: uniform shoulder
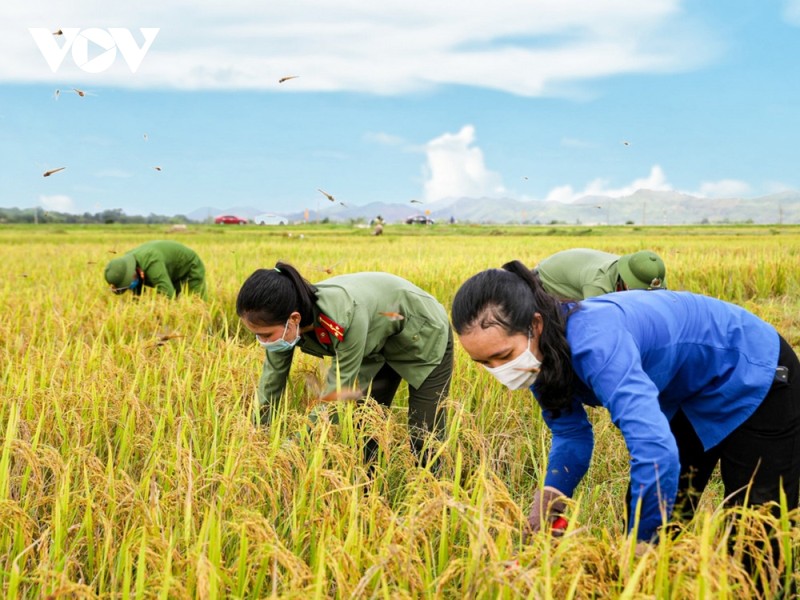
(579, 254)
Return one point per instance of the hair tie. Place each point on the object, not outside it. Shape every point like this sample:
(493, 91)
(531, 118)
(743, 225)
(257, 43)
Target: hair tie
(277, 269)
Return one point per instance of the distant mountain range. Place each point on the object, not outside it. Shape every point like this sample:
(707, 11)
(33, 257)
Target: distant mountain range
(644, 207)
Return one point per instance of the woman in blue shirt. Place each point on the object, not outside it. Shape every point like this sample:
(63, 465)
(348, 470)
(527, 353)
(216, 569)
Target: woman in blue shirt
(645, 357)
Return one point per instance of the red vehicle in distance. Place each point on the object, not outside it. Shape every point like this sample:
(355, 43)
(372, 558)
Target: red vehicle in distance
(230, 220)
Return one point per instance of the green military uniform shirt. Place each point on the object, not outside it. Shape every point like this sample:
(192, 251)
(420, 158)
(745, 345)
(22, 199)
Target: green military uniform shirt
(167, 265)
(579, 273)
(349, 327)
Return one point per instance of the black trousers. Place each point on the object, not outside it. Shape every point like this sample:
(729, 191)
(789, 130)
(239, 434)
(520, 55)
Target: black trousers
(424, 416)
(758, 457)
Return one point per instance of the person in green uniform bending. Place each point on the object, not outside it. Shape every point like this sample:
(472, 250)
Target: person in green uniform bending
(379, 329)
(162, 264)
(583, 273)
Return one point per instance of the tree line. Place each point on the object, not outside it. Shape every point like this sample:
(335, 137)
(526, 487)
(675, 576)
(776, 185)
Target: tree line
(115, 215)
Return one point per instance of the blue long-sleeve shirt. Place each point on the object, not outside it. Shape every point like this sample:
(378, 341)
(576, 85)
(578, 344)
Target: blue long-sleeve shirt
(644, 355)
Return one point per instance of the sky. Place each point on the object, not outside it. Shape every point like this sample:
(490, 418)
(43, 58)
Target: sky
(393, 100)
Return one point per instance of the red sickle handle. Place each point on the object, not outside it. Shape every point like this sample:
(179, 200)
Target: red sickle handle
(560, 524)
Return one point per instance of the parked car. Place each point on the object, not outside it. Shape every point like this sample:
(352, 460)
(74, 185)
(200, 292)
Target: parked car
(270, 219)
(230, 220)
(419, 219)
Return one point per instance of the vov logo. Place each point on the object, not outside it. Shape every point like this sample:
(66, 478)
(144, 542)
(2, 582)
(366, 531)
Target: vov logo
(109, 40)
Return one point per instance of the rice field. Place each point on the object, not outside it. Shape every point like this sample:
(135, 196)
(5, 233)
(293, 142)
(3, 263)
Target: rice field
(130, 467)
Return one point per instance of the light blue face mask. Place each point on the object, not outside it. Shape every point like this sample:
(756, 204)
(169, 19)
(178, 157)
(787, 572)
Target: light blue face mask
(280, 345)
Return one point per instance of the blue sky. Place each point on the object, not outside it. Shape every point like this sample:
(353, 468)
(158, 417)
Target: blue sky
(397, 100)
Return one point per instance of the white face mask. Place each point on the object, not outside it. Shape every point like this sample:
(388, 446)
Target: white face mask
(280, 345)
(520, 372)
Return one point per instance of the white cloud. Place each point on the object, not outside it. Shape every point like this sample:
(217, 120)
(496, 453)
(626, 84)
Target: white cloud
(791, 11)
(388, 47)
(562, 193)
(384, 139)
(456, 168)
(655, 180)
(57, 202)
(724, 188)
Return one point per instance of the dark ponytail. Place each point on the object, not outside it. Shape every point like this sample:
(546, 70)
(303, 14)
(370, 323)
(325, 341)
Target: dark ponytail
(508, 298)
(269, 296)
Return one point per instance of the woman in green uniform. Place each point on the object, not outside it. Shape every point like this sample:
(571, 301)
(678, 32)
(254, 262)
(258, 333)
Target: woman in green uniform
(163, 264)
(379, 329)
(581, 273)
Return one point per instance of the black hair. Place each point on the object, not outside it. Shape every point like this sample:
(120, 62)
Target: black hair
(508, 298)
(269, 296)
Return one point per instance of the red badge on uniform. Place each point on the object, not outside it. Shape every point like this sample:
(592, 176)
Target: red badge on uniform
(333, 327)
(323, 336)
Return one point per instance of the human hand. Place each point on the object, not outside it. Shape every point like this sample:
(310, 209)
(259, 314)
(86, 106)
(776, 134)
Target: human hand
(548, 506)
(641, 549)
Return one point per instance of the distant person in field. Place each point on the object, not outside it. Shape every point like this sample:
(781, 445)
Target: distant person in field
(583, 273)
(378, 230)
(690, 381)
(378, 328)
(164, 265)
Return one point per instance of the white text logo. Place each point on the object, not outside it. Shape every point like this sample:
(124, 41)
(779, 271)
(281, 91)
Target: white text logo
(108, 40)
